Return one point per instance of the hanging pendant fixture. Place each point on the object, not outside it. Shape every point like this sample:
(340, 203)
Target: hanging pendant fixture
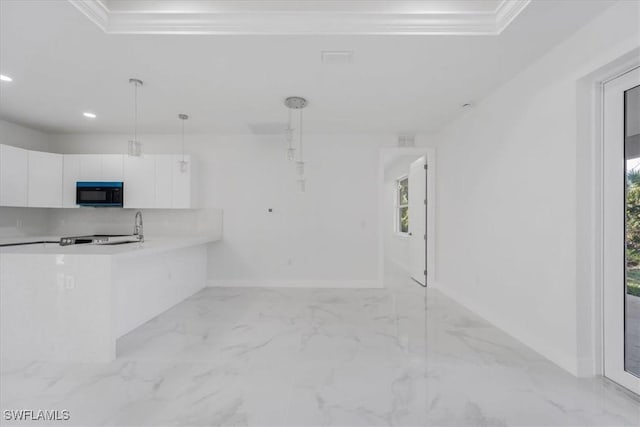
(135, 146)
(291, 152)
(297, 103)
(184, 165)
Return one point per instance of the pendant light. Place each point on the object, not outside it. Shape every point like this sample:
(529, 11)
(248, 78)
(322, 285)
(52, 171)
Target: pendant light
(291, 152)
(300, 162)
(135, 146)
(184, 165)
(297, 103)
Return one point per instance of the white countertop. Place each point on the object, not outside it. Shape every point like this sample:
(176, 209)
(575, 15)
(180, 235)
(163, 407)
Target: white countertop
(151, 244)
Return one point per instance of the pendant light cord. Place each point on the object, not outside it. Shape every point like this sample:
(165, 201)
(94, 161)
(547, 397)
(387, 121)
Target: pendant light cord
(300, 137)
(183, 140)
(290, 131)
(135, 112)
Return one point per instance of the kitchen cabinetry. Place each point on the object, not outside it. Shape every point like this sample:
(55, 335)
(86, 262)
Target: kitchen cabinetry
(44, 180)
(184, 188)
(112, 167)
(88, 167)
(38, 179)
(14, 176)
(175, 188)
(139, 182)
(98, 167)
(70, 175)
(164, 181)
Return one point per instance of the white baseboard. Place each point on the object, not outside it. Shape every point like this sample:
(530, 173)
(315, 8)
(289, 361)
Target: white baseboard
(570, 364)
(323, 284)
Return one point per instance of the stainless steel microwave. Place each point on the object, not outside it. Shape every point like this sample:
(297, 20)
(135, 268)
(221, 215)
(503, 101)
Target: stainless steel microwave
(100, 193)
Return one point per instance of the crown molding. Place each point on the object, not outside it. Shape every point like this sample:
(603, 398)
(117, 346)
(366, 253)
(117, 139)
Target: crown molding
(95, 10)
(270, 17)
(507, 11)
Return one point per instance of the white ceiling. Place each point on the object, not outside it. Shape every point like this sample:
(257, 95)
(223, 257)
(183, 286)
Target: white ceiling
(301, 17)
(63, 64)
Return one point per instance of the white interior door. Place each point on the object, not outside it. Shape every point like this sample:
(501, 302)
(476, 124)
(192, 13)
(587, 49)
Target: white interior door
(621, 243)
(418, 221)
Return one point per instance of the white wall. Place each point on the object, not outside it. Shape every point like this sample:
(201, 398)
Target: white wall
(23, 221)
(507, 209)
(23, 137)
(327, 236)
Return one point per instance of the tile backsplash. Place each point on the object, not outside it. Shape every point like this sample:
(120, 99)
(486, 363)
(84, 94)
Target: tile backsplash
(64, 222)
(24, 221)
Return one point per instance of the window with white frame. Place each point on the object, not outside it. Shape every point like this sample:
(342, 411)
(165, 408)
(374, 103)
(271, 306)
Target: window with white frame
(402, 205)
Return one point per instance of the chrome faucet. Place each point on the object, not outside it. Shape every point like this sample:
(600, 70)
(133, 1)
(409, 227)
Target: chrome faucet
(138, 228)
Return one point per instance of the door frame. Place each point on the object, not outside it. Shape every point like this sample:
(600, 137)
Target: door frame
(589, 218)
(614, 304)
(430, 154)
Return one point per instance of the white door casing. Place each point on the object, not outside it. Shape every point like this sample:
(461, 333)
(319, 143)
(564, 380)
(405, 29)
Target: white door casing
(614, 228)
(418, 221)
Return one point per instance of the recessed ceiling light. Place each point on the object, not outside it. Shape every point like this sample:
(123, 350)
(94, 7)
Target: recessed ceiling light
(5, 78)
(89, 115)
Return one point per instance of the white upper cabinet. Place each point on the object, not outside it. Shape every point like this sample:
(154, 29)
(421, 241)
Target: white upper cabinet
(90, 167)
(14, 176)
(184, 189)
(70, 175)
(45, 180)
(139, 182)
(100, 167)
(112, 167)
(158, 181)
(38, 179)
(164, 181)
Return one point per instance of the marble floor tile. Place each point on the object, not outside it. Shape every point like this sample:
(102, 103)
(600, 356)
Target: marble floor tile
(398, 356)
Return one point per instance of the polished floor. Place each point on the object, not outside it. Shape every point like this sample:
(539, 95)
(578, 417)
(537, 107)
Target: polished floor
(310, 357)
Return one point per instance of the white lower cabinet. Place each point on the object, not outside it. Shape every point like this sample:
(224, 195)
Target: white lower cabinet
(45, 180)
(139, 182)
(14, 176)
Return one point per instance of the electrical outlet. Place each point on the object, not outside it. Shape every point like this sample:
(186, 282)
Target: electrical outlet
(69, 282)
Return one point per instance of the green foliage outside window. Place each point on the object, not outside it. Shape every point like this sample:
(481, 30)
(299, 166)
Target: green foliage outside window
(404, 220)
(633, 232)
(403, 205)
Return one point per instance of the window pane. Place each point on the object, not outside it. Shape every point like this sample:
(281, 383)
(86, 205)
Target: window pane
(403, 192)
(404, 220)
(632, 231)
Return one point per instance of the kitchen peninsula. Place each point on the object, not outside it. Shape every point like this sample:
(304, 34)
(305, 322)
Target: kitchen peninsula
(71, 303)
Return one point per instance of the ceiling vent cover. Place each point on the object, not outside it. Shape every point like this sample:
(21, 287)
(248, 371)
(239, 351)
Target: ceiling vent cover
(337, 57)
(406, 140)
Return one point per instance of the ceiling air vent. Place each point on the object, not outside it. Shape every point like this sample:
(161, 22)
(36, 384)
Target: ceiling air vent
(406, 140)
(337, 57)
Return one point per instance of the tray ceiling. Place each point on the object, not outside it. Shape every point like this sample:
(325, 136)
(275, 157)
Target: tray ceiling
(304, 17)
